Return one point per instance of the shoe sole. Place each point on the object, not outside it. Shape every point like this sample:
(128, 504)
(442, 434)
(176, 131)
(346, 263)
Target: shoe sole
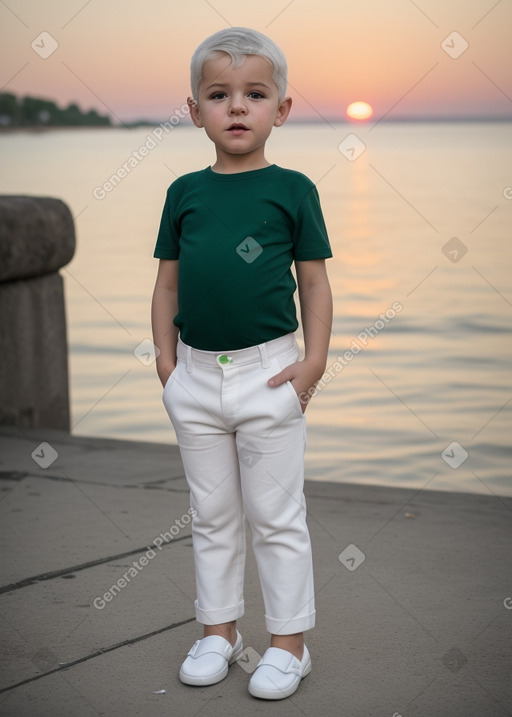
(279, 694)
(211, 679)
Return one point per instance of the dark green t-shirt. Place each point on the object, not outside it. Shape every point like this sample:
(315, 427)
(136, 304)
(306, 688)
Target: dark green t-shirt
(236, 236)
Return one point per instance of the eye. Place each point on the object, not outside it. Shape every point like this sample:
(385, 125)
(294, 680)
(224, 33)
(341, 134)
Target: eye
(218, 96)
(255, 95)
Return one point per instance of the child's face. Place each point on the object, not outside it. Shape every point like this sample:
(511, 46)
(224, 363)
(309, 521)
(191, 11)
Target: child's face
(246, 96)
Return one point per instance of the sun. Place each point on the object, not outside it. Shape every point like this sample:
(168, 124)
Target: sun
(359, 111)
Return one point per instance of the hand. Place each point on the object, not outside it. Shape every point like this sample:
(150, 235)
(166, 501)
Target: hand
(164, 371)
(303, 376)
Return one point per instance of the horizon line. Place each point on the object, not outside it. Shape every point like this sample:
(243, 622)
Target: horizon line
(338, 120)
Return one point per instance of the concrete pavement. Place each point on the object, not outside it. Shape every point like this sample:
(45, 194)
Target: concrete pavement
(414, 593)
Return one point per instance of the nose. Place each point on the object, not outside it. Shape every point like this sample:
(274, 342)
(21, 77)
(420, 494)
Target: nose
(237, 105)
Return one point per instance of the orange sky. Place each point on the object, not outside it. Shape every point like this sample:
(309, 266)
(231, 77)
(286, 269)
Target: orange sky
(130, 58)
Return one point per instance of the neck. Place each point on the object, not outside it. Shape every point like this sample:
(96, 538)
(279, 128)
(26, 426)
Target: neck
(235, 163)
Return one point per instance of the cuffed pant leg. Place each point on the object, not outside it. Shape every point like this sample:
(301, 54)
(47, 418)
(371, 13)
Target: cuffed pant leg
(276, 510)
(271, 449)
(218, 525)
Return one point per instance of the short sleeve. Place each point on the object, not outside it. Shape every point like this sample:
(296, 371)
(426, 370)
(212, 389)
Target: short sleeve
(310, 240)
(167, 242)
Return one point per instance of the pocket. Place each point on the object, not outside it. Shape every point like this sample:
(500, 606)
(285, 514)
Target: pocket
(284, 360)
(170, 380)
(168, 394)
(295, 397)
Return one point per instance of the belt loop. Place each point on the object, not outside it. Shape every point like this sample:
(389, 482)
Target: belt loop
(189, 359)
(265, 363)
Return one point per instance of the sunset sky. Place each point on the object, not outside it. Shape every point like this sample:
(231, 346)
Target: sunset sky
(130, 58)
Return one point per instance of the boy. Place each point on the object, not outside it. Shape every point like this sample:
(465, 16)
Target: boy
(231, 378)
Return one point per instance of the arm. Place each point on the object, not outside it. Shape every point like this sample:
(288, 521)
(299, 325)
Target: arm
(316, 313)
(164, 308)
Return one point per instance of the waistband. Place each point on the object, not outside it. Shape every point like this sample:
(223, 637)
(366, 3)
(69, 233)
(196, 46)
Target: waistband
(260, 353)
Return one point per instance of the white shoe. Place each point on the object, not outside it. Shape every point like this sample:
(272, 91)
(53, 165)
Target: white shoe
(208, 660)
(278, 674)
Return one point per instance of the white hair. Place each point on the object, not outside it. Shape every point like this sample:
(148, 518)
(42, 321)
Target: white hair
(238, 42)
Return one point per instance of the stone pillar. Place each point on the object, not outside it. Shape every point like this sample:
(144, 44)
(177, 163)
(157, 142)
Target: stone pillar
(37, 237)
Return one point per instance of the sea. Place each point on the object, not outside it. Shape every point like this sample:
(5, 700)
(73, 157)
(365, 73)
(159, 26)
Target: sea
(418, 387)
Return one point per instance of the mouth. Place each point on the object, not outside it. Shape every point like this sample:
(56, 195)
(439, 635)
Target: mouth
(237, 128)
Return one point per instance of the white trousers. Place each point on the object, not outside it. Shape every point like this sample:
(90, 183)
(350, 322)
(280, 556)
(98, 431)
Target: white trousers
(242, 445)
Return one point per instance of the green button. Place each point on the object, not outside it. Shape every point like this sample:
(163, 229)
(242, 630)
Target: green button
(224, 359)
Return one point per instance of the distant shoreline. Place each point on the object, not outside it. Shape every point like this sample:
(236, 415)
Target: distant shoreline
(310, 121)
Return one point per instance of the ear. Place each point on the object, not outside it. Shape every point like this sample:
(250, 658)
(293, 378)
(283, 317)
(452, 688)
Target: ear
(194, 111)
(283, 111)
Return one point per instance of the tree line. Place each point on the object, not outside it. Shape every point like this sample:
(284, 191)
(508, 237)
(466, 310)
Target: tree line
(36, 112)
